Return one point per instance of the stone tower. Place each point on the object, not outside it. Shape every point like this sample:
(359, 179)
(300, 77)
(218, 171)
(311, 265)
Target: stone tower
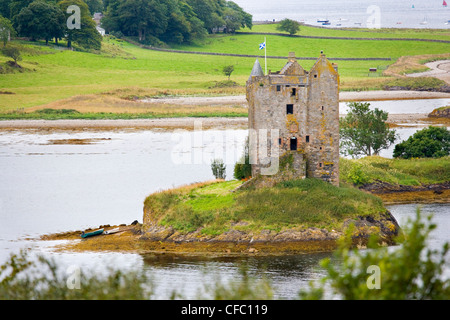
(295, 113)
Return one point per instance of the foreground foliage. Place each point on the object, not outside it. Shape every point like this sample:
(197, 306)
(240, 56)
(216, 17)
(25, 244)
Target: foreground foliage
(409, 271)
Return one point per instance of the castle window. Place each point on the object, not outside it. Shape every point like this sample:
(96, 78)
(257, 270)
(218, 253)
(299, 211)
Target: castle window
(278, 88)
(279, 141)
(293, 92)
(293, 144)
(320, 164)
(307, 139)
(322, 108)
(315, 76)
(289, 109)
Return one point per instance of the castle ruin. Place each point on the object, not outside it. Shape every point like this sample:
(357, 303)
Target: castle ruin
(295, 113)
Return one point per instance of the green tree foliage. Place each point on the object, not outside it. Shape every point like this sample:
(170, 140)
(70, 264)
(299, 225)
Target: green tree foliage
(288, 25)
(41, 20)
(94, 6)
(228, 70)
(235, 17)
(6, 30)
(87, 37)
(173, 21)
(432, 142)
(15, 6)
(218, 168)
(210, 12)
(12, 52)
(364, 131)
(411, 271)
(4, 8)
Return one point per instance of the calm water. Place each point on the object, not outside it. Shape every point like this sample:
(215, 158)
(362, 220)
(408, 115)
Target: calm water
(351, 13)
(47, 187)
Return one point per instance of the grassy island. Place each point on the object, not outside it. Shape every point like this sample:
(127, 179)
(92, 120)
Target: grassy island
(228, 217)
(292, 216)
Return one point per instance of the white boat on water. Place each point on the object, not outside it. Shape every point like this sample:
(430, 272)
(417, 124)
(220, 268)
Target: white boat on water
(424, 22)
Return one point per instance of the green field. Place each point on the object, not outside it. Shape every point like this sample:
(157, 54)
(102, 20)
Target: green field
(123, 69)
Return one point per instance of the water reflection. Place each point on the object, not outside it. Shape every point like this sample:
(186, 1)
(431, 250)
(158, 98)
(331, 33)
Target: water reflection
(422, 106)
(189, 275)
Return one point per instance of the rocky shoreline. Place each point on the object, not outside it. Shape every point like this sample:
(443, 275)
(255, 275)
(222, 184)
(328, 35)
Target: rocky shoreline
(133, 238)
(397, 194)
(158, 239)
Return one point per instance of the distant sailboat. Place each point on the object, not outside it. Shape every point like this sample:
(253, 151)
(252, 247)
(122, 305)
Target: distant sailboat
(444, 3)
(424, 21)
(412, 6)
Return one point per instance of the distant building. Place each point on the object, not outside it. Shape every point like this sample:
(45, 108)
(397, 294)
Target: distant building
(100, 30)
(303, 107)
(97, 17)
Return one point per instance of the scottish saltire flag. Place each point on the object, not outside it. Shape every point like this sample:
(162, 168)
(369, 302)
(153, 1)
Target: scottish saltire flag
(262, 45)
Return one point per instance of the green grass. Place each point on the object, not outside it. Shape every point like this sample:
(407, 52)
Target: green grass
(396, 171)
(292, 204)
(438, 34)
(416, 83)
(212, 208)
(54, 74)
(303, 47)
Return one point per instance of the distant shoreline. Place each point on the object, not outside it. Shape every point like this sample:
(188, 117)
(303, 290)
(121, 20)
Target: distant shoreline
(215, 122)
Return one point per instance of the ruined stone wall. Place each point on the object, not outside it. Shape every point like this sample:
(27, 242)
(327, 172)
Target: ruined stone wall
(304, 110)
(323, 123)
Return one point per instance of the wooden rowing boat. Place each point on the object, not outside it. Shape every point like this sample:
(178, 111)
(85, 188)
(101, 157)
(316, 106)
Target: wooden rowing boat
(92, 233)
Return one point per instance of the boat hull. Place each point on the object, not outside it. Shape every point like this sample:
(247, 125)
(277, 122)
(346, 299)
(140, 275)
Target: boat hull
(92, 234)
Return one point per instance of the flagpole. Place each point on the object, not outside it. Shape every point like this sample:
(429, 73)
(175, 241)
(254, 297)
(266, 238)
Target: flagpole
(265, 55)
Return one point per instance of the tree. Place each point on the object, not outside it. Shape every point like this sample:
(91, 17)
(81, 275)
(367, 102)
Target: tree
(6, 30)
(228, 70)
(12, 52)
(87, 37)
(94, 6)
(431, 142)
(218, 168)
(288, 25)
(364, 131)
(210, 12)
(235, 17)
(41, 20)
(142, 18)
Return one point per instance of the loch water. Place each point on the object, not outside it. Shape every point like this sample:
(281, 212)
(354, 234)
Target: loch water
(48, 186)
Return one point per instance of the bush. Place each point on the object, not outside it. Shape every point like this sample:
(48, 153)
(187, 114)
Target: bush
(12, 52)
(431, 142)
(357, 176)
